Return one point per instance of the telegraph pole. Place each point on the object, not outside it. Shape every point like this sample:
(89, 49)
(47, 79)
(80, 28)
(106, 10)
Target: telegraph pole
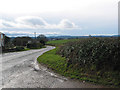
(35, 34)
(35, 37)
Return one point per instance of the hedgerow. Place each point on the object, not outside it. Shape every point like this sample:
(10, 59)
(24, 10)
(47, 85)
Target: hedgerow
(94, 56)
(102, 53)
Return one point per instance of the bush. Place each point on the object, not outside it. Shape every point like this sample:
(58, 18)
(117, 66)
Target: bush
(42, 39)
(93, 53)
(34, 45)
(18, 48)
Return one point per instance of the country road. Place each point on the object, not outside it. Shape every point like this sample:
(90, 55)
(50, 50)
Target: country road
(20, 70)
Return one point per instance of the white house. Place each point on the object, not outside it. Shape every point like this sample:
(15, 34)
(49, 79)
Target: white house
(2, 39)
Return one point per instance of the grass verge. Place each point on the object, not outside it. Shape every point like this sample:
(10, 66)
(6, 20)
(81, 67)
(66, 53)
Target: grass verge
(54, 61)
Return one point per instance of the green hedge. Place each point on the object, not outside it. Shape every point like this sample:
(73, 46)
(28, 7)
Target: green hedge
(100, 53)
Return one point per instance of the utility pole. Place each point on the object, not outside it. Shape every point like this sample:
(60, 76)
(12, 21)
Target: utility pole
(35, 37)
(35, 34)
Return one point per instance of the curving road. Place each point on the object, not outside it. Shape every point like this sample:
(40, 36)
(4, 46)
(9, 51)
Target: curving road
(20, 70)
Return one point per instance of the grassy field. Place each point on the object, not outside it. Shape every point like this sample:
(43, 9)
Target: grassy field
(65, 67)
(60, 42)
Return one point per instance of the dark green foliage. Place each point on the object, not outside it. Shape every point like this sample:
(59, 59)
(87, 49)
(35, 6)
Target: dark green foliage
(42, 39)
(6, 40)
(102, 53)
(21, 41)
(34, 45)
(95, 57)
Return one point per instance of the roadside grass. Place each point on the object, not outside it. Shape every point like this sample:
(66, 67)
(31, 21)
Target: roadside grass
(26, 49)
(37, 47)
(59, 65)
(54, 61)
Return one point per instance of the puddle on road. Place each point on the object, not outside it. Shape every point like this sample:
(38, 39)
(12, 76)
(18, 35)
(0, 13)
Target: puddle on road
(37, 67)
(60, 80)
(52, 74)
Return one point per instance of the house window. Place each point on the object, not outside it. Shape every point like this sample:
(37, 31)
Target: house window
(1, 36)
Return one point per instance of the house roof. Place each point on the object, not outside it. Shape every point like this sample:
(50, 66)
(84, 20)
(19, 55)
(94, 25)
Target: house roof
(2, 33)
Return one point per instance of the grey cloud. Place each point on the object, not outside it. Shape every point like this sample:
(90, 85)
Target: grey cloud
(31, 20)
(7, 25)
(35, 22)
(67, 24)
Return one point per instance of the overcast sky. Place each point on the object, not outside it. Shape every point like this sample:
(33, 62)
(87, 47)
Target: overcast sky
(59, 17)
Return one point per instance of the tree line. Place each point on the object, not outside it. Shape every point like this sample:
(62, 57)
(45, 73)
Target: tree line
(24, 41)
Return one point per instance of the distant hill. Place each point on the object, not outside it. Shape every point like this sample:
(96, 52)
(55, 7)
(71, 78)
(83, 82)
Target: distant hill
(70, 37)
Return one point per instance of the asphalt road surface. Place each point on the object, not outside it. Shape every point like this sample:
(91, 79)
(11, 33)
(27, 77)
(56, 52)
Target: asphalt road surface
(21, 70)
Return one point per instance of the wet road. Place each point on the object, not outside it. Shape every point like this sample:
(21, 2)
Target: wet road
(20, 70)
